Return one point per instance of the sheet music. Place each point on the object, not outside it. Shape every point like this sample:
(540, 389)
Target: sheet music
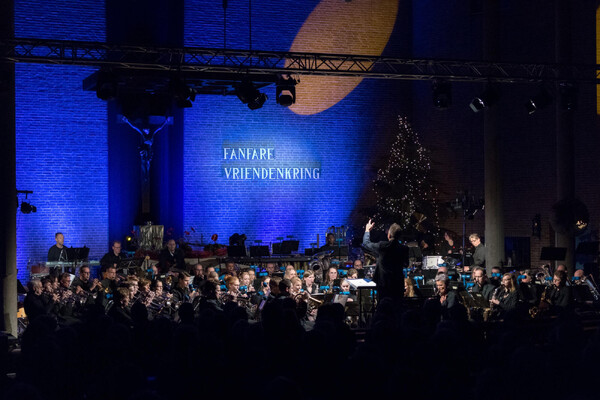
(361, 283)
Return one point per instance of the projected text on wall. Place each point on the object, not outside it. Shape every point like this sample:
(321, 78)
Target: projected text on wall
(260, 162)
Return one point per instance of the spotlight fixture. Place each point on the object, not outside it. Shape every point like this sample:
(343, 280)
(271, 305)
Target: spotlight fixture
(249, 95)
(106, 85)
(442, 93)
(568, 96)
(286, 90)
(488, 98)
(183, 94)
(27, 208)
(540, 100)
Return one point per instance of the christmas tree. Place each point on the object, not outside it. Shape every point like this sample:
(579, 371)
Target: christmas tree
(404, 189)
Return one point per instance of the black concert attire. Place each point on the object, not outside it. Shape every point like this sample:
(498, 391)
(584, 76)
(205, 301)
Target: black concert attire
(529, 294)
(479, 256)
(120, 315)
(392, 258)
(57, 254)
(314, 288)
(508, 300)
(86, 286)
(197, 281)
(486, 291)
(169, 260)
(446, 249)
(107, 292)
(37, 305)
(560, 297)
(451, 300)
(181, 295)
(110, 259)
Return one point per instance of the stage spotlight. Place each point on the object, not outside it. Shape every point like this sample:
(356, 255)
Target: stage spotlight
(249, 95)
(286, 90)
(488, 98)
(183, 94)
(27, 208)
(540, 100)
(106, 85)
(442, 93)
(568, 96)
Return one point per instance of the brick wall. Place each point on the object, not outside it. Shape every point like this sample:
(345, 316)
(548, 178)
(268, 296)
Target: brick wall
(61, 137)
(528, 141)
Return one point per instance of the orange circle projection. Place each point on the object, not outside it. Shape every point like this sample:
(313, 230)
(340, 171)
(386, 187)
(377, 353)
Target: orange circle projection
(358, 27)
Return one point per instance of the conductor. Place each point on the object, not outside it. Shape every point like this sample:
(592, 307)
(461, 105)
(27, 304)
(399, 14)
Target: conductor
(392, 258)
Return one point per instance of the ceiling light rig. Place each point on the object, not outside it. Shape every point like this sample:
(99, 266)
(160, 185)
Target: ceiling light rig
(250, 95)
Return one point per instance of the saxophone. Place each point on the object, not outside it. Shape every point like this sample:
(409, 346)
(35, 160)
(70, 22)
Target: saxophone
(544, 304)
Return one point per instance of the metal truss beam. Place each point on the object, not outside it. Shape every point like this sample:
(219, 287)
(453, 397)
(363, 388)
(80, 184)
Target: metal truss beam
(194, 59)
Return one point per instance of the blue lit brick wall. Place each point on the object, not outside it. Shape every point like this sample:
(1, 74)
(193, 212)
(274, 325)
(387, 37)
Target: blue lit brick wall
(341, 140)
(61, 137)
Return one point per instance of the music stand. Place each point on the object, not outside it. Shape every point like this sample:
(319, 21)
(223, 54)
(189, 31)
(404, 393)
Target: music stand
(259, 251)
(236, 251)
(288, 246)
(553, 253)
(78, 253)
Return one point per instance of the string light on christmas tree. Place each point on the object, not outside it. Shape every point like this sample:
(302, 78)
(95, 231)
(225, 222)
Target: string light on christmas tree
(404, 186)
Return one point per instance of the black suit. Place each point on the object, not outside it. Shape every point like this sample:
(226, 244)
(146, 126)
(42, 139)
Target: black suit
(168, 260)
(392, 258)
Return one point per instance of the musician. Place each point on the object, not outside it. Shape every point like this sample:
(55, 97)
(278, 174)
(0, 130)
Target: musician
(449, 245)
(528, 291)
(83, 282)
(352, 273)
(233, 286)
(560, 295)
(245, 282)
(270, 268)
(482, 284)
(345, 288)
(181, 292)
(114, 257)
(58, 252)
(290, 272)
(36, 303)
(496, 276)
(448, 297)
(331, 278)
(285, 288)
(119, 311)
(109, 285)
(358, 264)
(171, 257)
(478, 250)
(64, 307)
(426, 248)
(392, 258)
(308, 282)
(230, 270)
(198, 275)
(505, 297)
(145, 295)
(329, 242)
(409, 288)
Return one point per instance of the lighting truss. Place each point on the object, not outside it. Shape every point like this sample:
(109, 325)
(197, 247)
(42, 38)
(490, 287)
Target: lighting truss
(210, 60)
